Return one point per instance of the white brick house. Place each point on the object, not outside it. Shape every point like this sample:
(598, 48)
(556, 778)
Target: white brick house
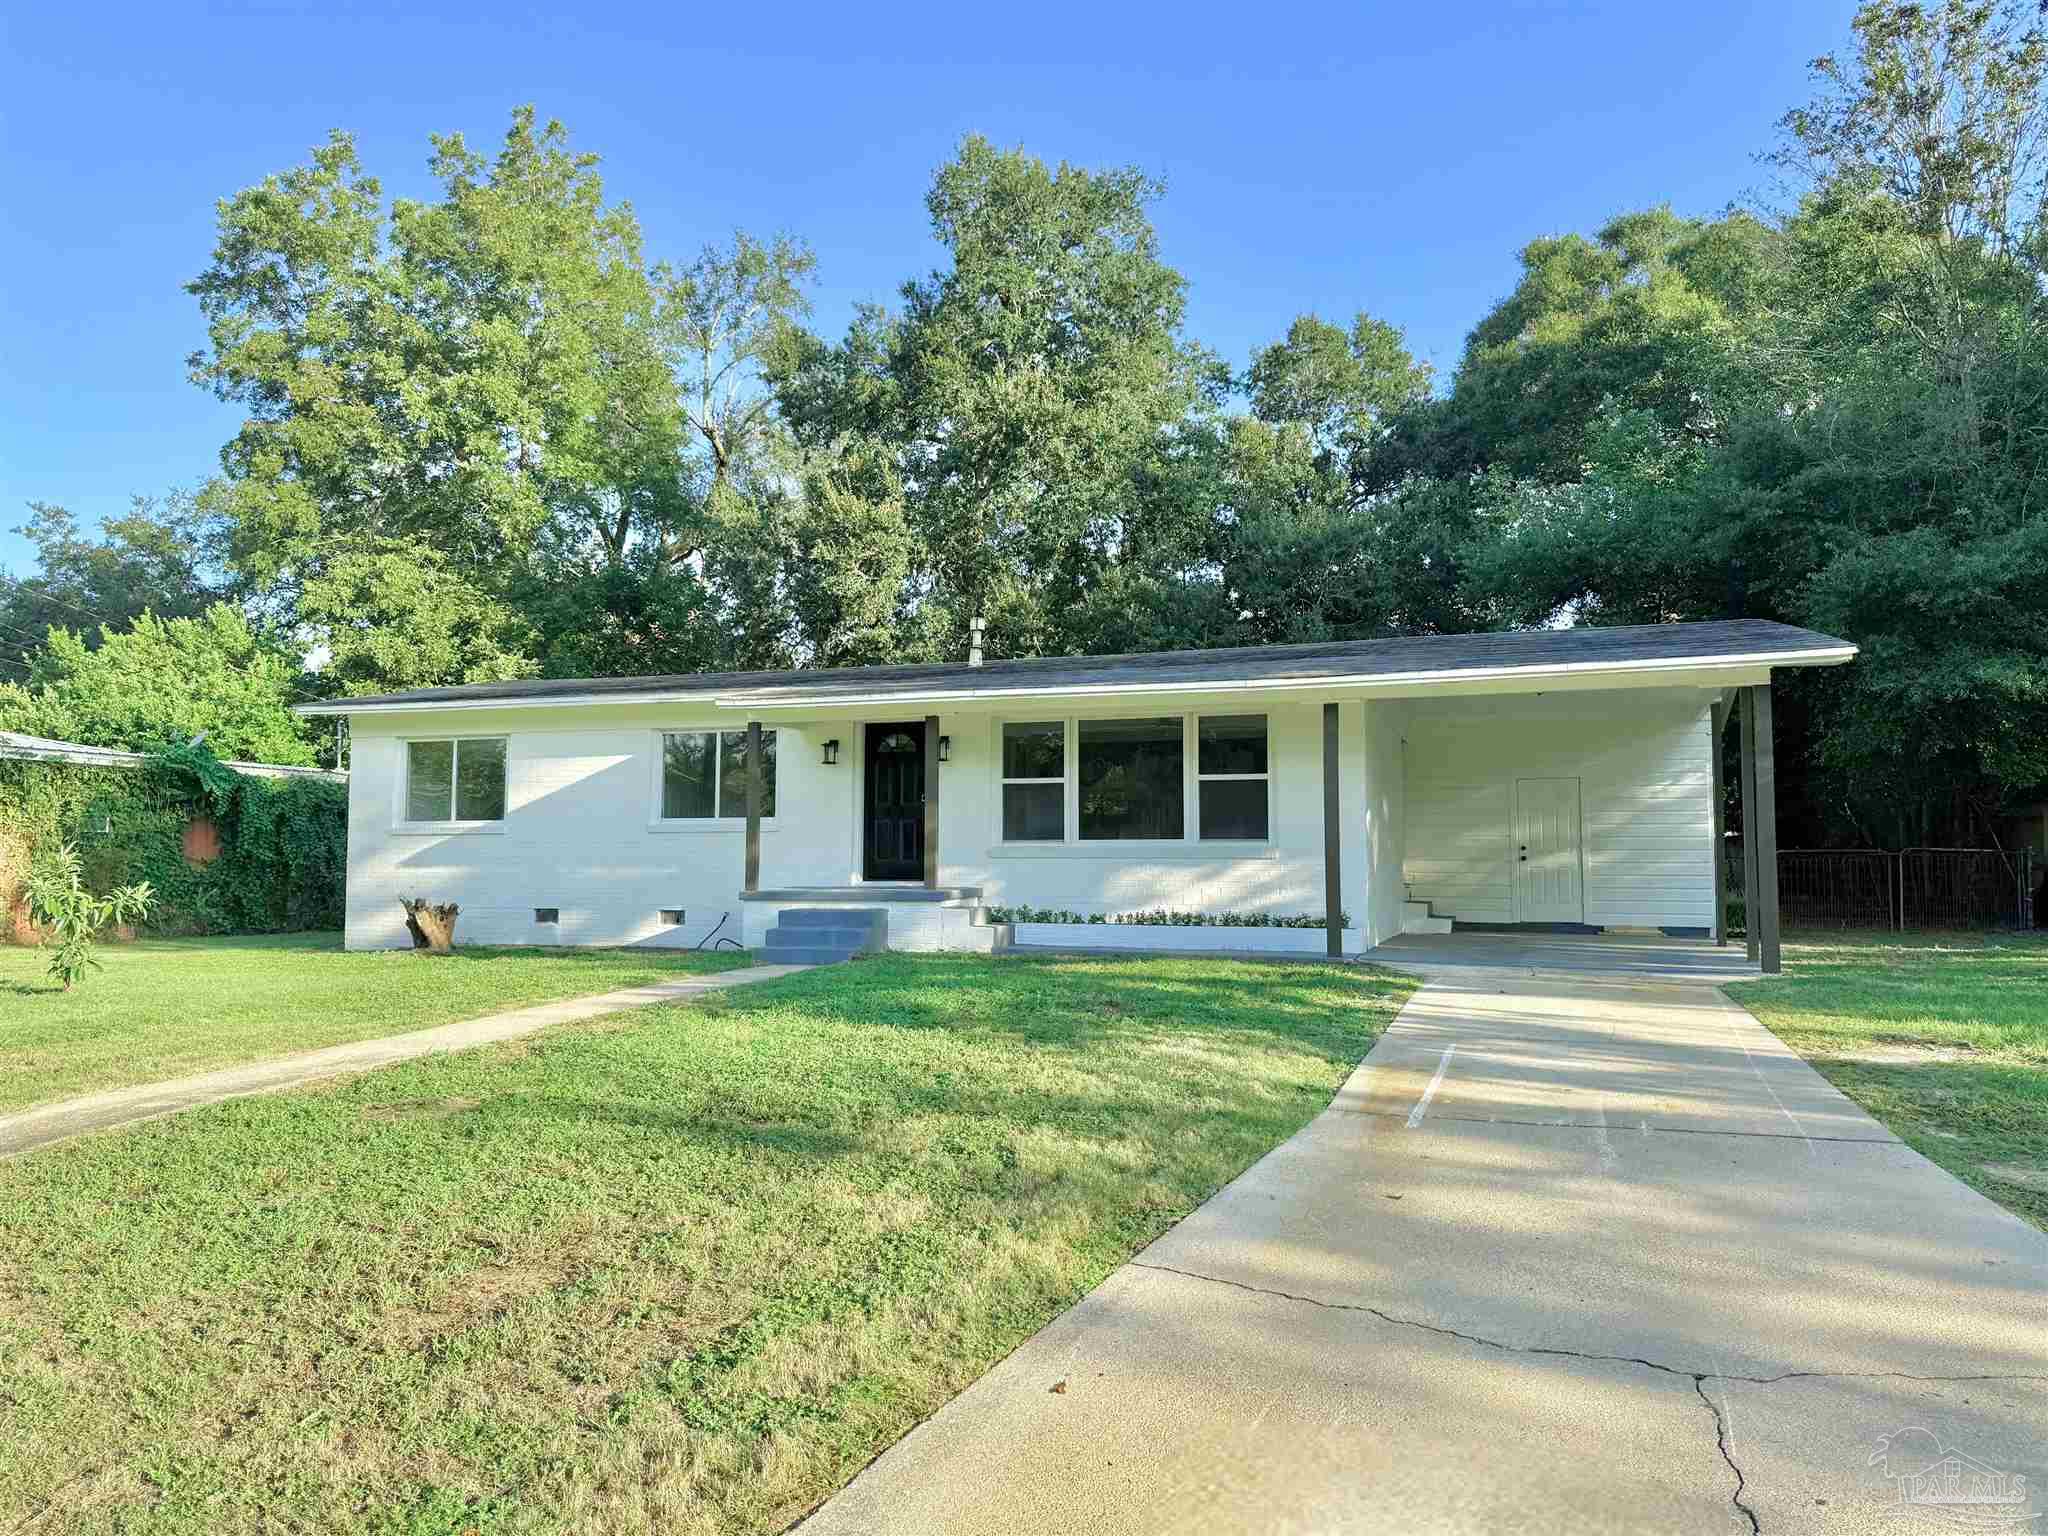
(1557, 777)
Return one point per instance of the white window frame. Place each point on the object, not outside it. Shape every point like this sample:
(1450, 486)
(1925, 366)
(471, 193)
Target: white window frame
(1069, 797)
(1189, 845)
(1201, 778)
(401, 818)
(656, 822)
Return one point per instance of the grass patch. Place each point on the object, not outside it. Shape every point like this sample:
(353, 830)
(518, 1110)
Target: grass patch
(685, 1270)
(166, 1008)
(1943, 1037)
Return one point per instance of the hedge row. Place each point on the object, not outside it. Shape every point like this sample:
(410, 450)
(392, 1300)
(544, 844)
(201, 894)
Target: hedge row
(1161, 918)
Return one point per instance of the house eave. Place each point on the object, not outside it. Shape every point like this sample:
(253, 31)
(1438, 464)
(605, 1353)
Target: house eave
(1680, 671)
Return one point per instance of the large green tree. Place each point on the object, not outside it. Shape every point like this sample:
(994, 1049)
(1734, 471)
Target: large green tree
(1872, 461)
(162, 556)
(1023, 401)
(160, 682)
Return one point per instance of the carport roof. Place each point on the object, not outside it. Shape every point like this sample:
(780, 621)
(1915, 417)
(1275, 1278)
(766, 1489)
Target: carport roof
(1645, 648)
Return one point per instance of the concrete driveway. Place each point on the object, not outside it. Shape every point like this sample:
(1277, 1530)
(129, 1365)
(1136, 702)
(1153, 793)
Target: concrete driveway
(1573, 1250)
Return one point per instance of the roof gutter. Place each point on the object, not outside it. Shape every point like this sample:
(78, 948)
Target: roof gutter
(781, 699)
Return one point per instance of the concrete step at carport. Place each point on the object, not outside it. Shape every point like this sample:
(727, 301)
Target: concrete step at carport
(1419, 917)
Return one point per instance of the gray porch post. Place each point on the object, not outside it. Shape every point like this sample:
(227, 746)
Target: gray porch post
(753, 806)
(1333, 840)
(1766, 818)
(1752, 901)
(1720, 727)
(931, 802)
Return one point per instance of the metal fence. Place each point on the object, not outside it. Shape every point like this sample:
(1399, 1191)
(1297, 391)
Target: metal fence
(1913, 888)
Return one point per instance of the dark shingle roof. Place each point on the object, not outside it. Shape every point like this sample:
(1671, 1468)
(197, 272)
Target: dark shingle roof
(1647, 645)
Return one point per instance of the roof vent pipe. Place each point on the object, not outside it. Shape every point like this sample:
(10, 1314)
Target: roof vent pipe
(974, 628)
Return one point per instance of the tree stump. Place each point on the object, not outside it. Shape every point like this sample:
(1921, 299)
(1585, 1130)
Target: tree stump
(432, 926)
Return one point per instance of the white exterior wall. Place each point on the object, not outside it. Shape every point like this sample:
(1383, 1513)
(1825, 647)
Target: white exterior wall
(1642, 758)
(1284, 876)
(579, 833)
(1429, 817)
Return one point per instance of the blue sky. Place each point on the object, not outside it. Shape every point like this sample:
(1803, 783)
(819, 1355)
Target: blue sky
(1389, 157)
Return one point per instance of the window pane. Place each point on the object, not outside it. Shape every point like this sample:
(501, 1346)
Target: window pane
(1234, 808)
(1034, 813)
(732, 773)
(429, 779)
(1037, 751)
(1233, 744)
(687, 788)
(480, 780)
(1131, 779)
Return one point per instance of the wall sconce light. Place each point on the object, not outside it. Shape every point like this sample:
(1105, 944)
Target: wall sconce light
(945, 748)
(831, 752)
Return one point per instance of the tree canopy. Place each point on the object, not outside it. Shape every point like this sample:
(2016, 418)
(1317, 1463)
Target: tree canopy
(487, 434)
(159, 683)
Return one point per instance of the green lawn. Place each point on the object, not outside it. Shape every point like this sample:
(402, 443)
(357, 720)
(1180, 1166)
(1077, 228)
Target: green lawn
(165, 1008)
(684, 1270)
(1943, 1037)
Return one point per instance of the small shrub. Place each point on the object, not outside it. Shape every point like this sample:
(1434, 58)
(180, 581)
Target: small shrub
(59, 900)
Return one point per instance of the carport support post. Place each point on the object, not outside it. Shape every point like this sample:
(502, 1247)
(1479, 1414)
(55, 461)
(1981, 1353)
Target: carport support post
(1333, 839)
(1745, 735)
(753, 807)
(1761, 839)
(1720, 729)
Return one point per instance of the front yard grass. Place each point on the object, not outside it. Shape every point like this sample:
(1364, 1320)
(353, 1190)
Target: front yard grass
(162, 1009)
(1943, 1037)
(685, 1270)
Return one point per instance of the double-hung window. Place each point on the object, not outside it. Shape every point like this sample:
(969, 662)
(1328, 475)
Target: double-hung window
(455, 781)
(1166, 778)
(704, 775)
(1035, 782)
(1232, 776)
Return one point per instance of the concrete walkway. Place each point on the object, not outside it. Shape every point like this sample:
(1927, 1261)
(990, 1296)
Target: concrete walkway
(1571, 1251)
(38, 1127)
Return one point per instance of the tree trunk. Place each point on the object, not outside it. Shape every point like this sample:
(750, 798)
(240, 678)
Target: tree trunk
(432, 927)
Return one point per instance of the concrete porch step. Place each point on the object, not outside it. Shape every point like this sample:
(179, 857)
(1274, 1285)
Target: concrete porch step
(854, 940)
(873, 920)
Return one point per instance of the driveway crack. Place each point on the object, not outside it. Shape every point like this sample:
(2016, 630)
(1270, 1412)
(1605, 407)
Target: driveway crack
(1699, 1379)
(1721, 1444)
(1571, 1354)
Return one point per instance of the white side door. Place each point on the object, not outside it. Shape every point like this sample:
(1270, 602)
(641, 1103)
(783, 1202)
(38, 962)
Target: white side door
(1548, 888)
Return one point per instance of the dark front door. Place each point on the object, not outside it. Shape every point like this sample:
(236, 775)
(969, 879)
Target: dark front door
(895, 803)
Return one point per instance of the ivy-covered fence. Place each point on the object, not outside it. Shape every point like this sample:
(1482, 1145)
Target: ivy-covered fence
(282, 842)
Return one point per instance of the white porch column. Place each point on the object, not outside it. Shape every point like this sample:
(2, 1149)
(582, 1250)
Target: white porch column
(1356, 840)
(1382, 825)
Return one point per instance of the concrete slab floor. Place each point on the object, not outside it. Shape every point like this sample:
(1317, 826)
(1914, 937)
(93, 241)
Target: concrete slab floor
(1570, 1251)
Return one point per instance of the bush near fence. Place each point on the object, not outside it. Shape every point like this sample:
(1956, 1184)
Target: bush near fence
(226, 852)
